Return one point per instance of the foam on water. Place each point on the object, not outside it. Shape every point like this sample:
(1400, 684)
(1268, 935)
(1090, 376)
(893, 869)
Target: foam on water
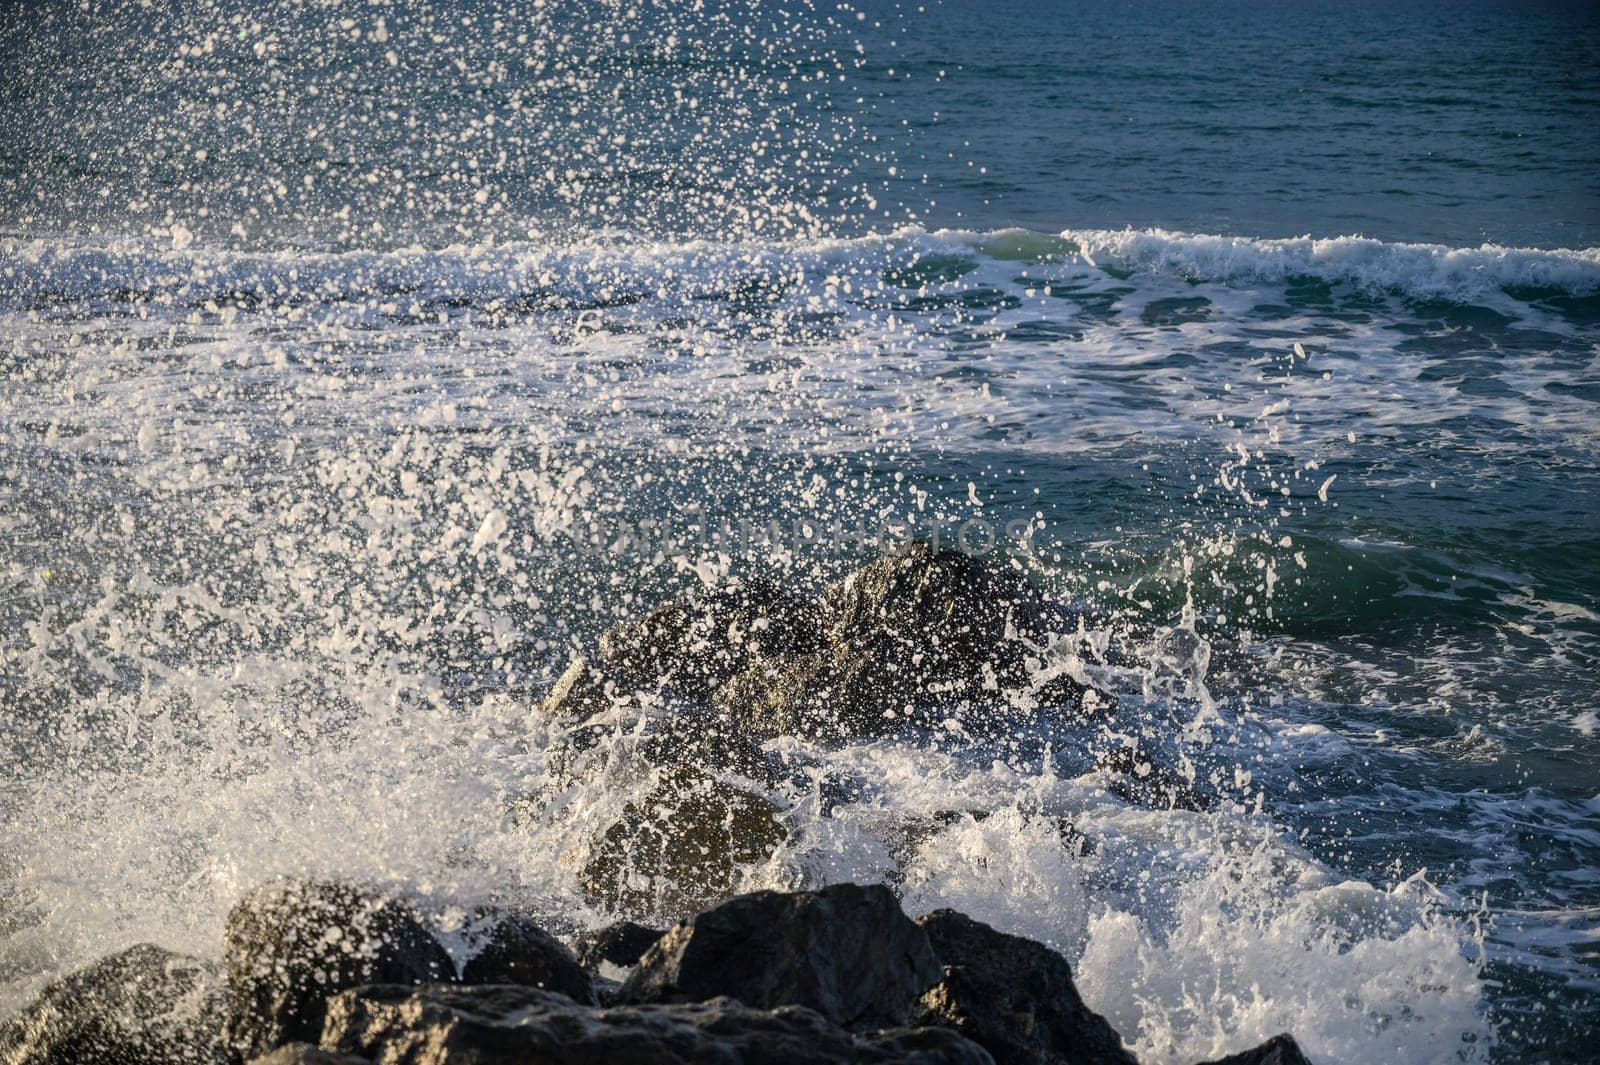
(302, 460)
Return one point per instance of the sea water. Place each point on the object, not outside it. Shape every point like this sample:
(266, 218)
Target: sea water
(361, 362)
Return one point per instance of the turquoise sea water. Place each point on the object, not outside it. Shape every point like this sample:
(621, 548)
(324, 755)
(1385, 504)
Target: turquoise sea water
(329, 330)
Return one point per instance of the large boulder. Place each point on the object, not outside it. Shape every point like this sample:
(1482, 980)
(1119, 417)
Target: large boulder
(682, 845)
(1279, 1050)
(849, 952)
(690, 646)
(506, 1025)
(143, 1006)
(515, 950)
(1013, 997)
(292, 943)
(925, 633)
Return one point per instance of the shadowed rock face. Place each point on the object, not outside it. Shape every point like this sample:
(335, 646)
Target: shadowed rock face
(522, 1026)
(916, 632)
(680, 847)
(517, 951)
(1279, 1050)
(621, 944)
(144, 1006)
(291, 944)
(846, 951)
(689, 646)
(1013, 997)
(923, 631)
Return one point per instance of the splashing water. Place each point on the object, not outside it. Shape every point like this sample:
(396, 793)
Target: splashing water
(361, 365)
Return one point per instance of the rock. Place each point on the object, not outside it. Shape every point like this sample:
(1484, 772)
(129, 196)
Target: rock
(1279, 1050)
(523, 1026)
(1013, 997)
(679, 849)
(1137, 778)
(695, 643)
(926, 634)
(306, 1054)
(292, 943)
(846, 951)
(621, 944)
(580, 692)
(517, 951)
(143, 1006)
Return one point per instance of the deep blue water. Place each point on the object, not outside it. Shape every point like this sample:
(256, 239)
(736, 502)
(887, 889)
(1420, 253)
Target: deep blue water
(326, 333)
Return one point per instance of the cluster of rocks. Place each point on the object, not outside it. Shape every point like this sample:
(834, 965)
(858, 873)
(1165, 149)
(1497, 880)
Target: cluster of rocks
(922, 637)
(919, 635)
(319, 973)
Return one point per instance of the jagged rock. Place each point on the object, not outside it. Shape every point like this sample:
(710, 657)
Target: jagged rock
(306, 1054)
(679, 849)
(515, 950)
(699, 641)
(621, 944)
(632, 747)
(921, 632)
(849, 952)
(691, 646)
(292, 943)
(143, 1006)
(1136, 777)
(1279, 1050)
(582, 691)
(1013, 997)
(523, 1026)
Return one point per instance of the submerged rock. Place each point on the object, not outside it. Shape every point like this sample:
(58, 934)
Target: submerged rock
(621, 944)
(679, 848)
(522, 1026)
(291, 944)
(1279, 1050)
(143, 1006)
(517, 951)
(1013, 997)
(846, 951)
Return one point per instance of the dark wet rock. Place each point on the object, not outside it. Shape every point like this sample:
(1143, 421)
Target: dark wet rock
(621, 944)
(696, 643)
(143, 1006)
(515, 950)
(1013, 997)
(924, 633)
(582, 691)
(849, 952)
(292, 943)
(1279, 1050)
(681, 846)
(523, 1026)
(632, 747)
(1140, 779)
(307, 1054)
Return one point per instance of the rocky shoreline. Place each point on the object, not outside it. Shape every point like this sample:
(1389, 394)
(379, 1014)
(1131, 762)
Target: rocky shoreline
(322, 973)
(673, 710)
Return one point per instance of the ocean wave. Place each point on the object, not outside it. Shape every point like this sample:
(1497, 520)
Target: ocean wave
(612, 266)
(1419, 271)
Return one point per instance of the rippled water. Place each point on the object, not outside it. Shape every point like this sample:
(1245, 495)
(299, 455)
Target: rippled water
(309, 396)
